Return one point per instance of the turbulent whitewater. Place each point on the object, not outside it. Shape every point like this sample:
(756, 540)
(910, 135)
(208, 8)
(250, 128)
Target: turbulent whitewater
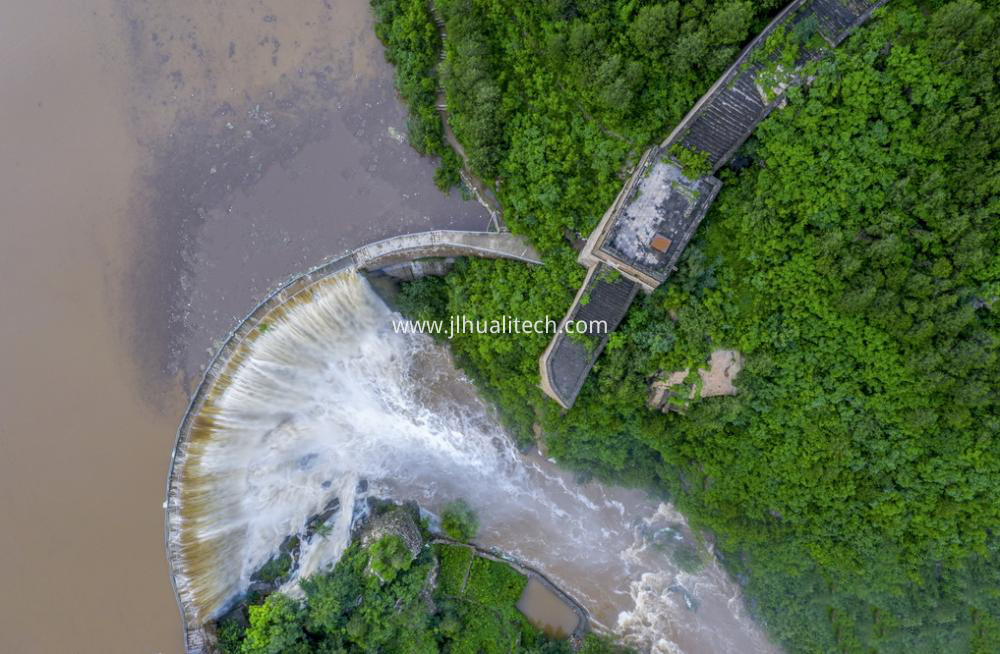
(325, 394)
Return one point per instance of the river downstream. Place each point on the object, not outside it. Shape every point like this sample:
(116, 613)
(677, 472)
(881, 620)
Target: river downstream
(329, 402)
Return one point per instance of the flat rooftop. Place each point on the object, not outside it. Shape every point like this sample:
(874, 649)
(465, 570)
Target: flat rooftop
(657, 218)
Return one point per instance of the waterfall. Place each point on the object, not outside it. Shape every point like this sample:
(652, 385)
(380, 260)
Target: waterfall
(328, 394)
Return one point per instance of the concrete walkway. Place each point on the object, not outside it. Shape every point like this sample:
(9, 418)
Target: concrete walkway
(444, 243)
(716, 126)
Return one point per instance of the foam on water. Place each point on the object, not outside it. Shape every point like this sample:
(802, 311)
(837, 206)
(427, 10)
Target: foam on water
(328, 394)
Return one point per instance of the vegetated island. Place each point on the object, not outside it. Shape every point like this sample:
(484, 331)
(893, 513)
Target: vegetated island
(397, 588)
(851, 258)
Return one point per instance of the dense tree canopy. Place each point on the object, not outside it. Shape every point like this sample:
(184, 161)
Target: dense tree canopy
(853, 259)
(381, 599)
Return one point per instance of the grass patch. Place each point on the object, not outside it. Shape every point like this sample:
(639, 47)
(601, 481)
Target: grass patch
(494, 584)
(454, 564)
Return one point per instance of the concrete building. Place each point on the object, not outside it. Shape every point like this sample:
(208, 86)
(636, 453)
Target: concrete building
(639, 240)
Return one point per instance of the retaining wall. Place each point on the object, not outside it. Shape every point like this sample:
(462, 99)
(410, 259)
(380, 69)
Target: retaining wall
(583, 616)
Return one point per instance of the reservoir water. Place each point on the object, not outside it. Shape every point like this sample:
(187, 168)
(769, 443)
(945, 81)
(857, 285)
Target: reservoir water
(138, 222)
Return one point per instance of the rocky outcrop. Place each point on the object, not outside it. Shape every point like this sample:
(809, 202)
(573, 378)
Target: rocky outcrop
(394, 520)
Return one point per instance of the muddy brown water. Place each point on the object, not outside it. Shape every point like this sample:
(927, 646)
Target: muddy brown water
(162, 165)
(546, 610)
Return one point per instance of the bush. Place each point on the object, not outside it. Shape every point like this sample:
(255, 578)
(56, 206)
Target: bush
(407, 30)
(230, 636)
(389, 556)
(455, 561)
(458, 521)
(275, 569)
(854, 477)
(276, 628)
(347, 610)
(448, 173)
(494, 584)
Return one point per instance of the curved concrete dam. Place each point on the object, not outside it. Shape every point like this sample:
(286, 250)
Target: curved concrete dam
(320, 392)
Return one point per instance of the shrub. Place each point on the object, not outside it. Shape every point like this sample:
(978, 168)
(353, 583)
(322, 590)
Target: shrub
(458, 521)
(455, 561)
(389, 556)
(276, 568)
(494, 584)
(230, 636)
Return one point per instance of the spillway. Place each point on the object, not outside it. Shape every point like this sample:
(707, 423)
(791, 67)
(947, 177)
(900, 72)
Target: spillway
(323, 393)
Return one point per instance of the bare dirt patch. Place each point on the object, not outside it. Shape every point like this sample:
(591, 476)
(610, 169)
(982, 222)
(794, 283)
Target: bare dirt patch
(724, 365)
(672, 391)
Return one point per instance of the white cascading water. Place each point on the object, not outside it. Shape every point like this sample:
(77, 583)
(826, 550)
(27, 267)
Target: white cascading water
(329, 395)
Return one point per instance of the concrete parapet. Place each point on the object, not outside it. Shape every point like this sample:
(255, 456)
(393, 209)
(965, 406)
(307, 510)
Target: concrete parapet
(444, 243)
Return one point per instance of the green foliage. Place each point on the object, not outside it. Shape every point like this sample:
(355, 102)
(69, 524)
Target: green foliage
(455, 561)
(594, 644)
(483, 289)
(448, 174)
(730, 24)
(553, 98)
(348, 610)
(230, 634)
(411, 41)
(482, 630)
(806, 29)
(412, 44)
(388, 557)
(842, 283)
(854, 262)
(482, 617)
(423, 299)
(459, 521)
(276, 568)
(694, 163)
(276, 628)
(494, 584)
(650, 30)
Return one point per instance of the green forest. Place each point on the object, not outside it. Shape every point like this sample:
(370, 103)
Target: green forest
(851, 256)
(381, 598)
